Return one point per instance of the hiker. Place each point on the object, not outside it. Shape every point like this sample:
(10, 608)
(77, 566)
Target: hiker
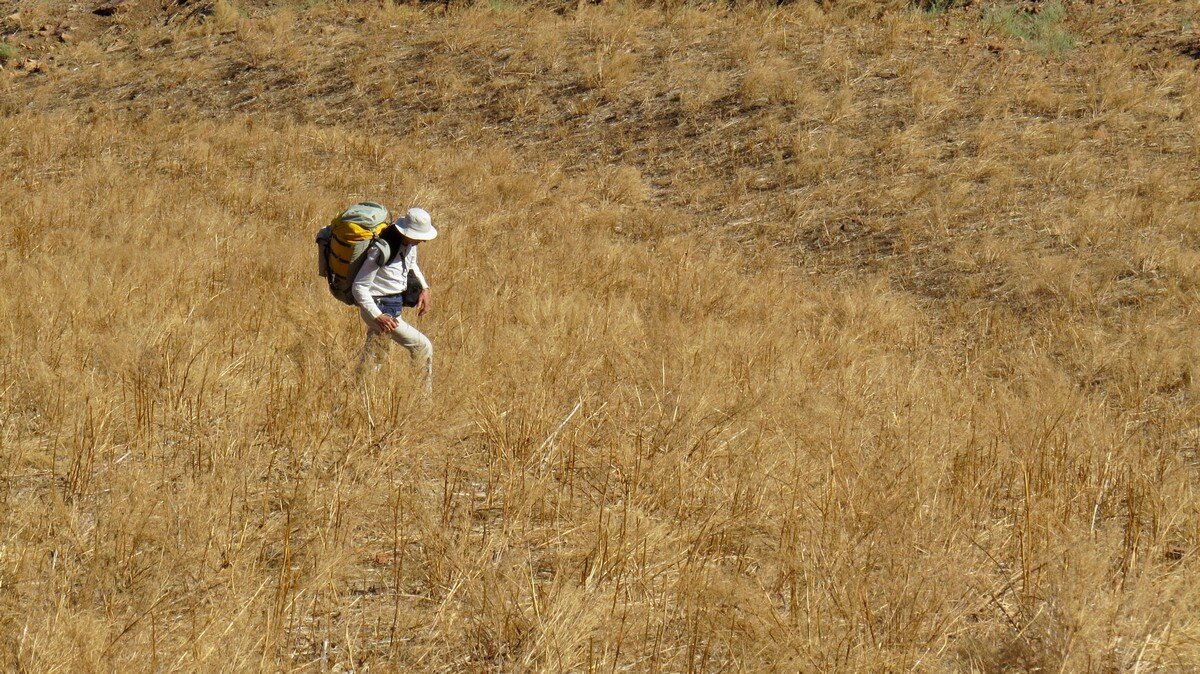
(384, 286)
(372, 264)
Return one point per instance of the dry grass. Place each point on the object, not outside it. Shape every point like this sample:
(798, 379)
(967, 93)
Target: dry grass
(769, 339)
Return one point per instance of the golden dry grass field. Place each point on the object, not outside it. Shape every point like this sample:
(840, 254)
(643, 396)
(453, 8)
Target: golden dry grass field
(841, 337)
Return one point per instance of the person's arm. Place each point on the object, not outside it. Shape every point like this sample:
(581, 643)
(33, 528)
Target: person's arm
(416, 269)
(361, 290)
(423, 298)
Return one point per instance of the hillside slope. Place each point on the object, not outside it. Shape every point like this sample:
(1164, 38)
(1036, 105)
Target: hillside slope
(851, 338)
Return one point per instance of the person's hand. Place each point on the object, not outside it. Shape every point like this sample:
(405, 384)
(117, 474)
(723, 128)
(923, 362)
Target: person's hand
(423, 302)
(386, 322)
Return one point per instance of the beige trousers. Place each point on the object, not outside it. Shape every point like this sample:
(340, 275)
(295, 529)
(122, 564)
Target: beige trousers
(420, 349)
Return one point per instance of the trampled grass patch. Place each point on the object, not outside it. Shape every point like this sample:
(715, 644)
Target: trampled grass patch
(935, 7)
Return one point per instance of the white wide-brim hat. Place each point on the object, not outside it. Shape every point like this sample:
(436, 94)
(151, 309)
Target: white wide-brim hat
(416, 225)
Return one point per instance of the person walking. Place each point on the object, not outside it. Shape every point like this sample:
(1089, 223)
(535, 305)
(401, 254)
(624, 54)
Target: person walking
(385, 285)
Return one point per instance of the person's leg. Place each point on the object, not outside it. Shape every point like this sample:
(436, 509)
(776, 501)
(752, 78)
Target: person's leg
(419, 348)
(418, 345)
(371, 346)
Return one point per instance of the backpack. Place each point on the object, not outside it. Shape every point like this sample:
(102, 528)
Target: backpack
(343, 244)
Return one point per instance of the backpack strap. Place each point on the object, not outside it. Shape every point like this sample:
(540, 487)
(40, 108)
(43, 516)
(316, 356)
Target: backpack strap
(386, 252)
(391, 244)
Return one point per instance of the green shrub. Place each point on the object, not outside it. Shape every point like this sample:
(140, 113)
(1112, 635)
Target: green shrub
(1042, 29)
(7, 52)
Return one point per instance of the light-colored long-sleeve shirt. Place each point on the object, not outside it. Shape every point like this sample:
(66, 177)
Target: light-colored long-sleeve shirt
(374, 280)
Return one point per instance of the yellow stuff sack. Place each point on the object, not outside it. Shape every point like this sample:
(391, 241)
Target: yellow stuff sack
(342, 245)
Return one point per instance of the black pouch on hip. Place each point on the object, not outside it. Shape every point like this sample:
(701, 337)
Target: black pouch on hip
(412, 292)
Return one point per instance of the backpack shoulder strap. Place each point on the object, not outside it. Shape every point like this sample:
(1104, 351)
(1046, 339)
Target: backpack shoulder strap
(392, 244)
(386, 254)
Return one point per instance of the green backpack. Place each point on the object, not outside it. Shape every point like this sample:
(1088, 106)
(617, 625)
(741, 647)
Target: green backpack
(343, 244)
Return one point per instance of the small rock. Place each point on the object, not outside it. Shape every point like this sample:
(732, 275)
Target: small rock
(66, 37)
(32, 66)
(46, 29)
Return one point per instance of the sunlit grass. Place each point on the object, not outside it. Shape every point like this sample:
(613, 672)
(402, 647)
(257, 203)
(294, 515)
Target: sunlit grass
(768, 339)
